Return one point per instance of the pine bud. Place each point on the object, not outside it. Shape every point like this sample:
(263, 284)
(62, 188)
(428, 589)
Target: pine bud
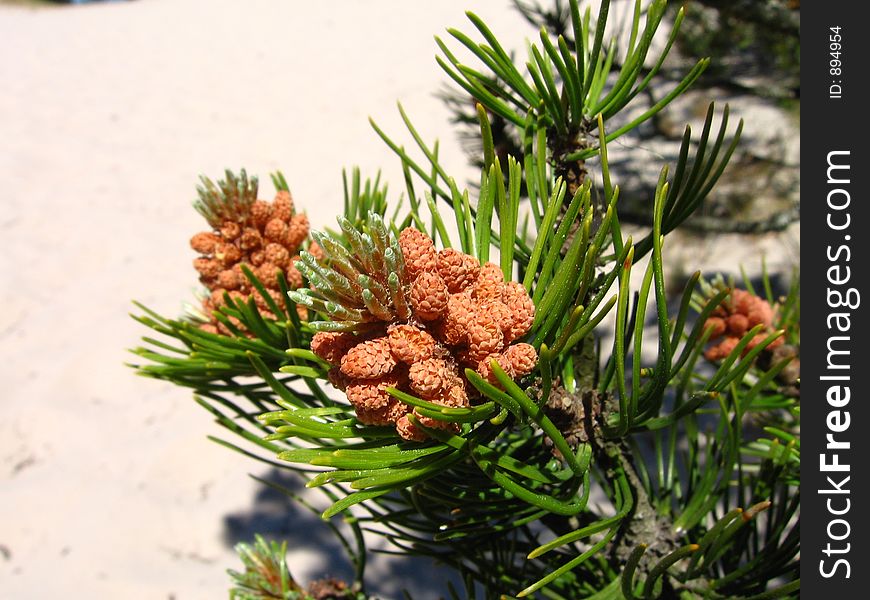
(430, 377)
(282, 206)
(409, 431)
(228, 254)
(276, 231)
(489, 283)
(261, 213)
(458, 270)
(297, 231)
(250, 239)
(737, 324)
(368, 360)
(277, 255)
(209, 268)
(410, 344)
(332, 346)
(429, 296)
(522, 357)
(518, 301)
(484, 368)
(717, 325)
(484, 337)
(418, 251)
(230, 230)
(205, 242)
(453, 328)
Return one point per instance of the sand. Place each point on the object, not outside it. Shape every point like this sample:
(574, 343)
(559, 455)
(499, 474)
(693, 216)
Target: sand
(108, 114)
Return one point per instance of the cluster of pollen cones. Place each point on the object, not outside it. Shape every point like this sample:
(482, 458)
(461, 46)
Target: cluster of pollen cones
(739, 313)
(265, 237)
(422, 317)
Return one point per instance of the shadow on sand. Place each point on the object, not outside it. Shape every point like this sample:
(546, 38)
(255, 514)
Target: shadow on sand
(276, 516)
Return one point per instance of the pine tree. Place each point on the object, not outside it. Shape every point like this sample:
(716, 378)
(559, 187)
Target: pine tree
(454, 392)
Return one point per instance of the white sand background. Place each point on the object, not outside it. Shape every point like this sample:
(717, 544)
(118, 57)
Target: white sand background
(108, 113)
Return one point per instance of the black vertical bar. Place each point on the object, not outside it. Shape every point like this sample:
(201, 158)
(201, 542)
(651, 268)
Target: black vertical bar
(834, 346)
